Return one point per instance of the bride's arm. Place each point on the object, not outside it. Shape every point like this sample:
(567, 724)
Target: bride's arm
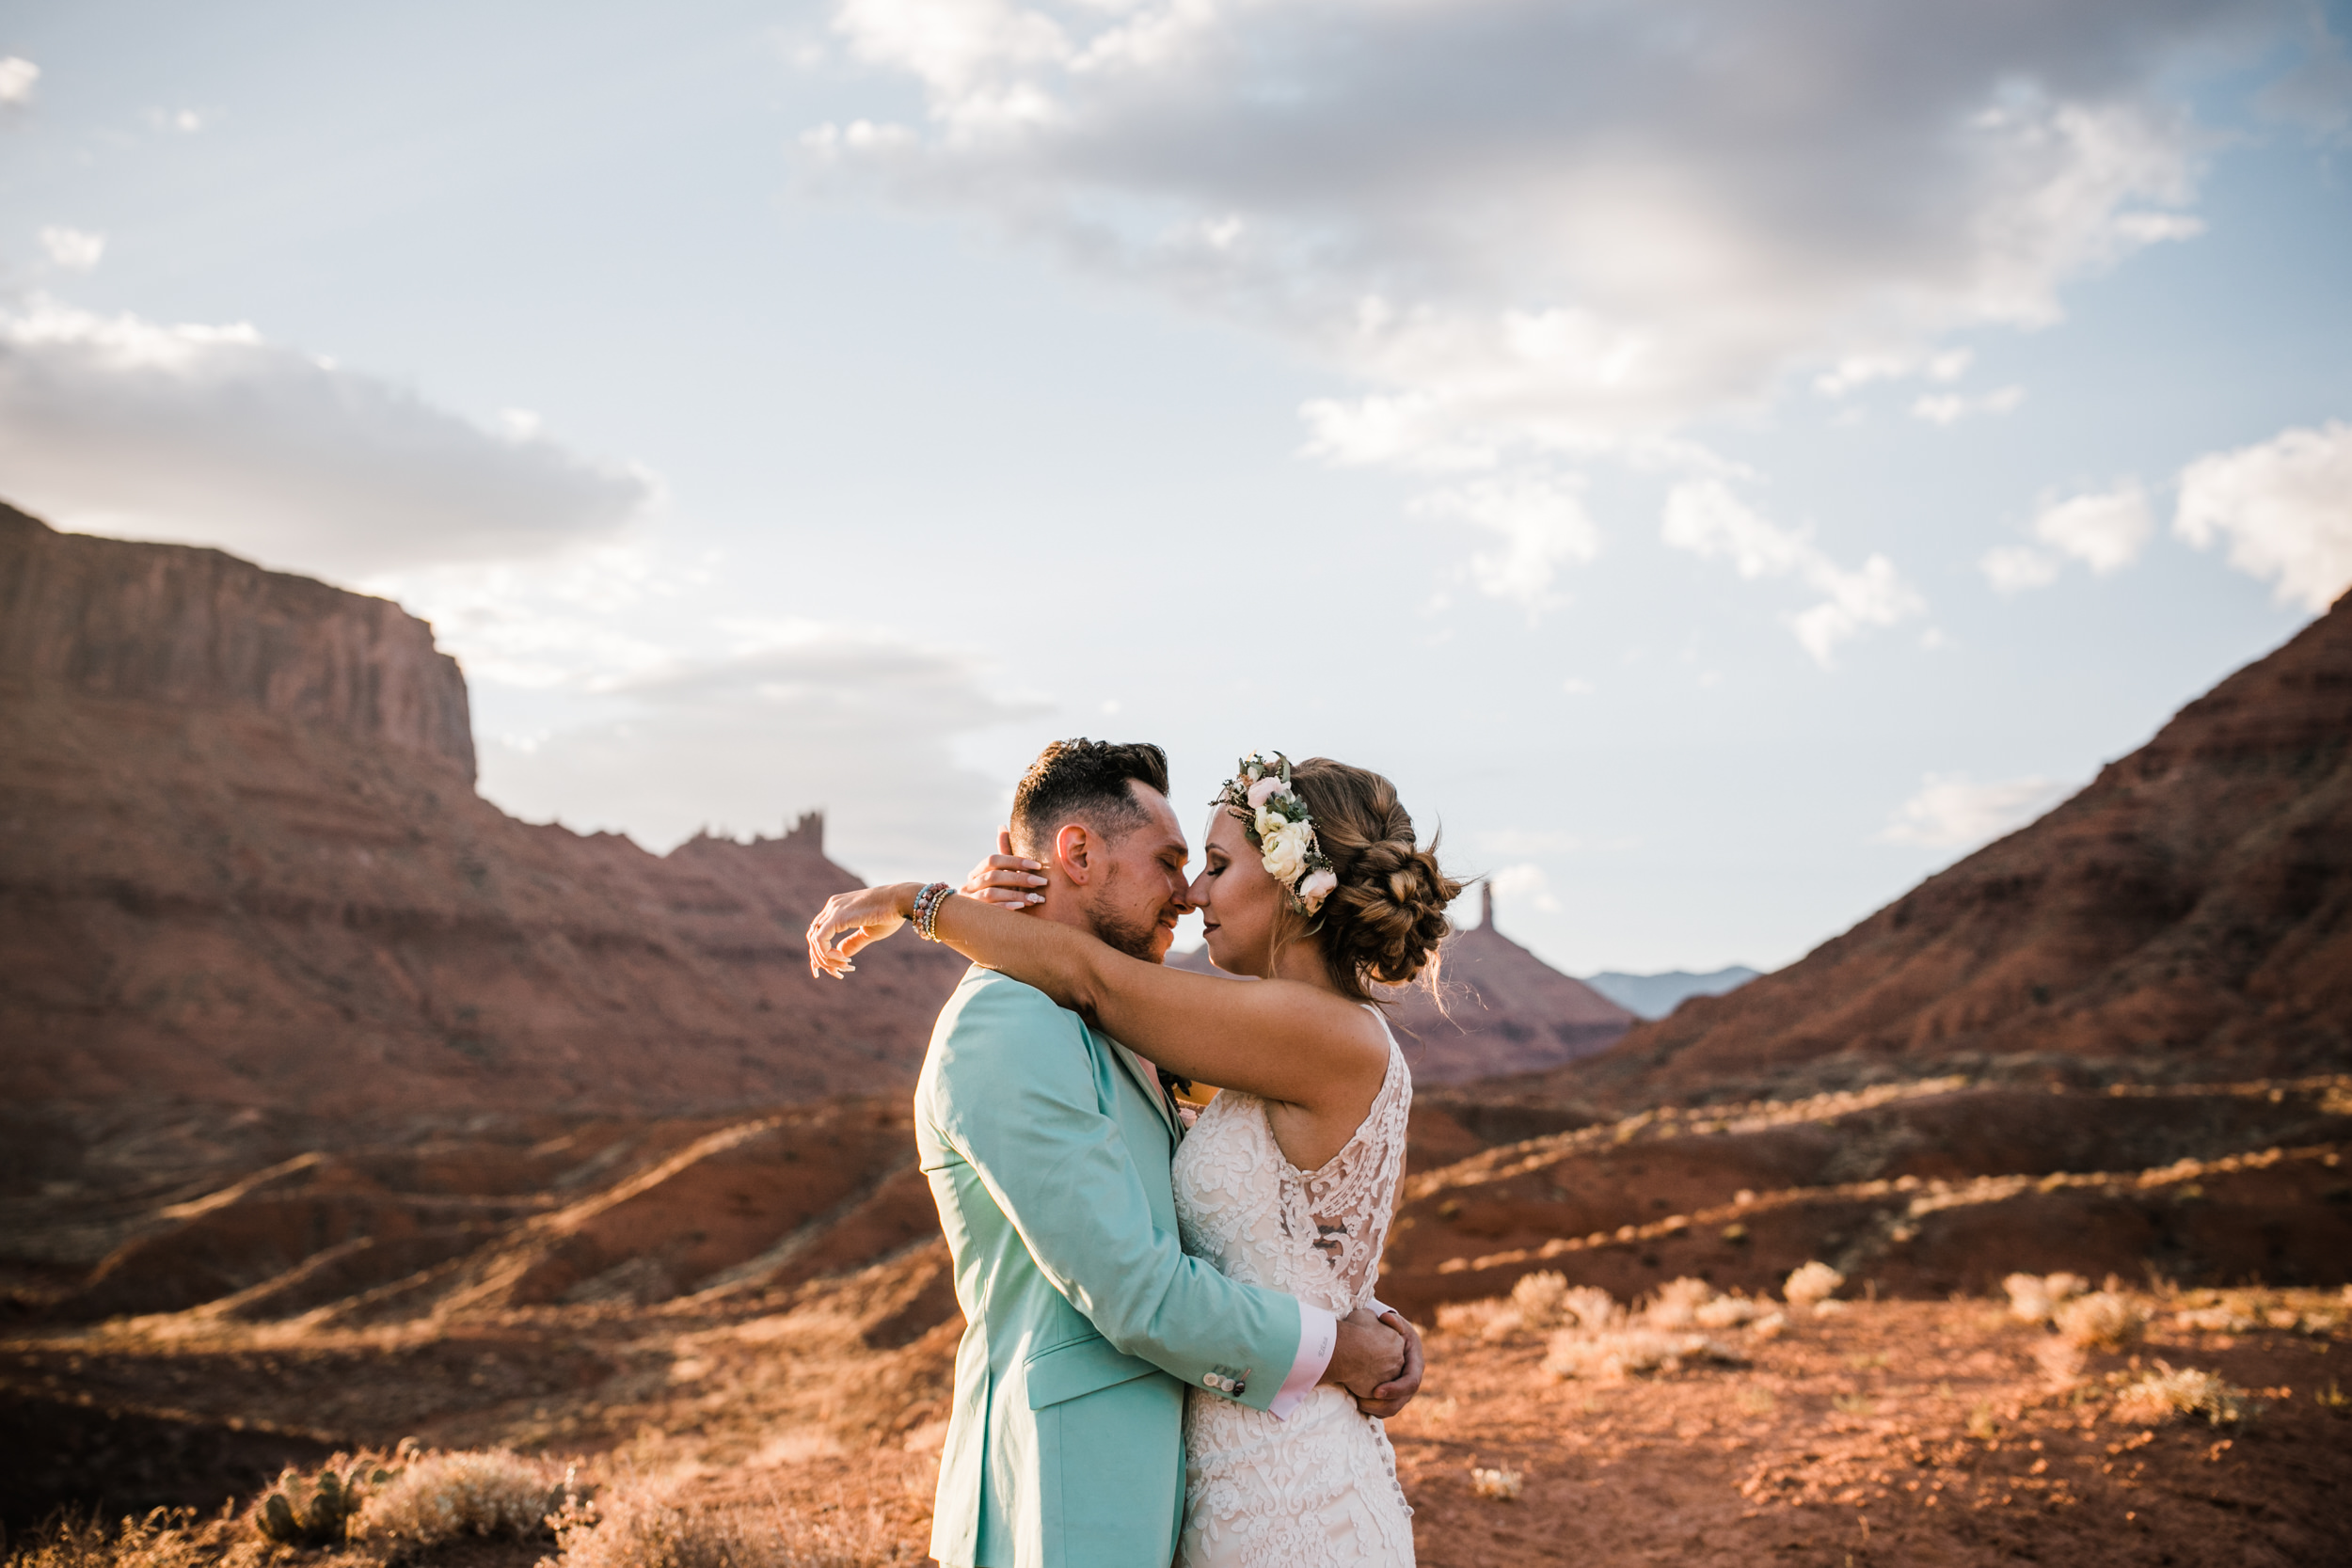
(1277, 1040)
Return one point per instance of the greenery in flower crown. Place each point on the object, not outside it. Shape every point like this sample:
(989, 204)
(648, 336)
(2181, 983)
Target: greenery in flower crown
(1280, 826)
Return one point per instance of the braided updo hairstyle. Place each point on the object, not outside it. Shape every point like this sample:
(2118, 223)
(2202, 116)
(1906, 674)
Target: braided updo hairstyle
(1385, 920)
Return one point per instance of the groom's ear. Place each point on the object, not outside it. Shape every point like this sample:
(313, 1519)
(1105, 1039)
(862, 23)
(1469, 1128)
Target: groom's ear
(1071, 846)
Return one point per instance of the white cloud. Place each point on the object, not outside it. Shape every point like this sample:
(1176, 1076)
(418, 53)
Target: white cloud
(546, 625)
(17, 77)
(857, 723)
(2015, 568)
(1542, 525)
(1949, 408)
(2105, 530)
(1705, 518)
(74, 249)
(1528, 883)
(2285, 506)
(1563, 226)
(214, 434)
(1951, 812)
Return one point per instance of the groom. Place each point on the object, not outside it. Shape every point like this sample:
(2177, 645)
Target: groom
(1047, 1146)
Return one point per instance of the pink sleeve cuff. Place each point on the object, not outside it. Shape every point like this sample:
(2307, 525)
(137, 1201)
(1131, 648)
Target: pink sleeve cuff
(1318, 1337)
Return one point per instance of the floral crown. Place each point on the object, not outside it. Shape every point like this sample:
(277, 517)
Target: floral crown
(1278, 824)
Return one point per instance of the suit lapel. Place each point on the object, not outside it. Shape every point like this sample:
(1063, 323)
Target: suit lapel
(1150, 1083)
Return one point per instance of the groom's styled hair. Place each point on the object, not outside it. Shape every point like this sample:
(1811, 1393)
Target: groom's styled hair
(1086, 780)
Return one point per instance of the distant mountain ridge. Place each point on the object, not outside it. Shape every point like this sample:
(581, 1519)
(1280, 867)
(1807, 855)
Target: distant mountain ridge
(1653, 996)
(242, 860)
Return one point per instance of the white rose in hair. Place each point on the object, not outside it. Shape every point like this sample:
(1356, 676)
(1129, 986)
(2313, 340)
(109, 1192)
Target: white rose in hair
(1270, 822)
(1315, 889)
(1264, 789)
(1285, 852)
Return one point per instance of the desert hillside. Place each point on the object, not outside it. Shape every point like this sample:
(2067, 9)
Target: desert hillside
(2187, 915)
(242, 859)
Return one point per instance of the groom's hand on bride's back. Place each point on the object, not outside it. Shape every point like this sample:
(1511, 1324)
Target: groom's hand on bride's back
(1004, 877)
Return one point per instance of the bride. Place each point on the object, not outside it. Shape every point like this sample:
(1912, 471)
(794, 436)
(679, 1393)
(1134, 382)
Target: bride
(1314, 884)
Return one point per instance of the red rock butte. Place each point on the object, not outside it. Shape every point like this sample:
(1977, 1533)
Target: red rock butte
(242, 860)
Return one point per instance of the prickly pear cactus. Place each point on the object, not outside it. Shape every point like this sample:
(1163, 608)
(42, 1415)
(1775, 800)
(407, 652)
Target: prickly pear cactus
(276, 1520)
(301, 1512)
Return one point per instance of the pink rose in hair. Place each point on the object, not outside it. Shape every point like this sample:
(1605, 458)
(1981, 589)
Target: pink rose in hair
(1265, 789)
(1316, 888)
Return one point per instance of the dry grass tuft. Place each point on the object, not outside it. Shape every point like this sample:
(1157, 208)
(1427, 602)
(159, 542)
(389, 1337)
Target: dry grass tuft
(2104, 1320)
(1540, 1298)
(2034, 1298)
(1591, 1335)
(2164, 1393)
(1538, 1303)
(441, 1497)
(1591, 1308)
(167, 1538)
(642, 1528)
(1810, 1286)
(1502, 1485)
(2243, 1311)
(1618, 1354)
(2061, 1361)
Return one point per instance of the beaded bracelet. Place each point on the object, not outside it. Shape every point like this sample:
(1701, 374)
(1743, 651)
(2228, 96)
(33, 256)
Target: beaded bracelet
(926, 910)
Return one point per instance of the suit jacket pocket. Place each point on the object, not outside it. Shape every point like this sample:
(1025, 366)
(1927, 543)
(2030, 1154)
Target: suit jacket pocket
(1080, 1367)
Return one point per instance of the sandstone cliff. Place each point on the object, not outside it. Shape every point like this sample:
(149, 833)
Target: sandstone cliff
(2187, 915)
(107, 618)
(242, 860)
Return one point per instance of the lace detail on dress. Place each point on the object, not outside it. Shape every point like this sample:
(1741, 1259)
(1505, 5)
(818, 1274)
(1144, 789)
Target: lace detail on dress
(1318, 1490)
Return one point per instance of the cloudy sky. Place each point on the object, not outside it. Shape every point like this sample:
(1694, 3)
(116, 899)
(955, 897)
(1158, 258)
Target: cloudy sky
(1725, 460)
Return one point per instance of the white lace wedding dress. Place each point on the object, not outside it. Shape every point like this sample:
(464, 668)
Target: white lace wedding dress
(1319, 1488)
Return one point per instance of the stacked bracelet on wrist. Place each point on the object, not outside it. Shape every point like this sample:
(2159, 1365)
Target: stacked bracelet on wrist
(927, 909)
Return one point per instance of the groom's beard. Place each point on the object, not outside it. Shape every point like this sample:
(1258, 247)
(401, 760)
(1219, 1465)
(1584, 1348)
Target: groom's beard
(1134, 938)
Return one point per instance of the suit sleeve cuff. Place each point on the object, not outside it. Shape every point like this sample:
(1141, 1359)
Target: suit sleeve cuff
(1318, 1337)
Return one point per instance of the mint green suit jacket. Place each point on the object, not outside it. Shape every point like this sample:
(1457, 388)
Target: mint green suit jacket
(1047, 1148)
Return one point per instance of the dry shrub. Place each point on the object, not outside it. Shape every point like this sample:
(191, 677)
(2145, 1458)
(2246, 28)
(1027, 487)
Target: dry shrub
(1677, 1302)
(2246, 1310)
(1502, 1485)
(2164, 1393)
(1618, 1354)
(2032, 1298)
(167, 1538)
(643, 1528)
(1810, 1286)
(1473, 1317)
(2104, 1320)
(1538, 1297)
(439, 1497)
(2060, 1359)
(1538, 1304)
(1731, 1312)
(1591, 1308)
